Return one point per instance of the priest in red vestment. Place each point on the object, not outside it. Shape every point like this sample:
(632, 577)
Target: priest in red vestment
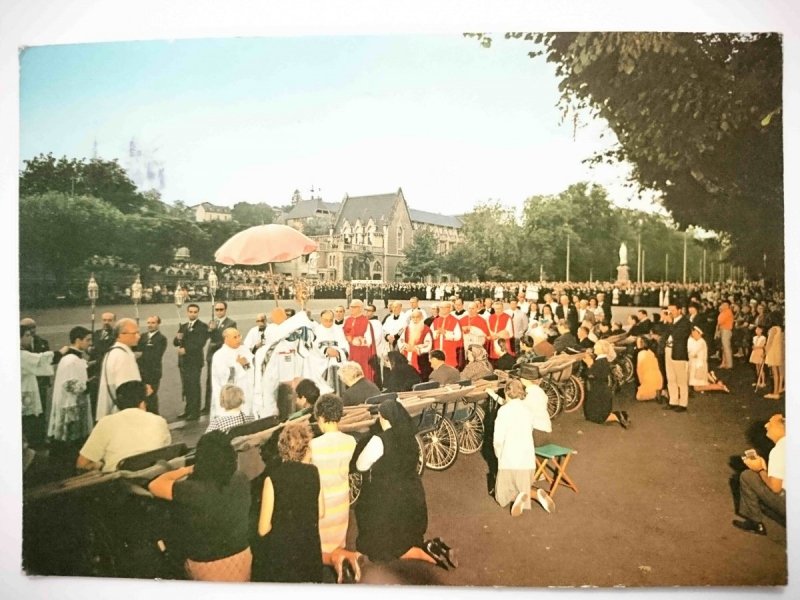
(447, 334)
(500, 327)
(474, 327)
(359, 334)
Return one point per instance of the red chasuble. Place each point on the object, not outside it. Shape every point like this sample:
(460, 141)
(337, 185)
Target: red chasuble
(447, 337)
(362, 344)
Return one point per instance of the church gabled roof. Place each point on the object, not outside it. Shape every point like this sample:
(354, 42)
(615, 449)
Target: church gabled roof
(364, 208)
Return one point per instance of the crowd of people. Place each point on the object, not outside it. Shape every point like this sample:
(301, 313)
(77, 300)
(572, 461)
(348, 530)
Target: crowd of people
(288, 365)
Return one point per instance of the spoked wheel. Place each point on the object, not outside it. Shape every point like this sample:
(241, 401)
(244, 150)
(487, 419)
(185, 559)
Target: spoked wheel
(421, 454)
(470, 431)
(573, 394)
(626, 364)
(355, 486)
(441, 444)
(553, 397)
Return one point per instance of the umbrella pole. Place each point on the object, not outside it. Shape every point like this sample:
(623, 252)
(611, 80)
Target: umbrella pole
(274, 287)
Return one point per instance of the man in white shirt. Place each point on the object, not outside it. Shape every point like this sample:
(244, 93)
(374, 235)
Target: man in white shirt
(764, 482)
(330, 348)
(255, 337)
(119, 366)
(232, 363)
(393, 325)
(130, 431)
(414, 302)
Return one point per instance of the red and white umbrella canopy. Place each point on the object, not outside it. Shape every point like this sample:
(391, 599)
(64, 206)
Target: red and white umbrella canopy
(264, 244)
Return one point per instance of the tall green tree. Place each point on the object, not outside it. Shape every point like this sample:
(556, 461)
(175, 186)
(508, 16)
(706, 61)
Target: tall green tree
(213, 235)
(102, 179)
(248, 214)
(421, 259)
(58, 232)
(699, 116)
(492, 237)
(146, 240)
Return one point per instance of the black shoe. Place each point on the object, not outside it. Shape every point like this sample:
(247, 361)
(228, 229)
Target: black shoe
(751, 526)
(623, 422)
(679, 409)
(432, 549)
(446, 552)
(181, 417)
(205, 410)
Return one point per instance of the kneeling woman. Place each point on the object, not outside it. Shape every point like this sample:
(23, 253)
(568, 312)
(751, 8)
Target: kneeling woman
(216, 502)
(599, 396)
(392, 513)
(699, 377)
(289, 549)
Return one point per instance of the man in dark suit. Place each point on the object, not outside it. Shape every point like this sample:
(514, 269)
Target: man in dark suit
(676, 358)
(190, 341)
(216, 326)
(568, 313)
(102, 340)
(604, 306)
(150, 352)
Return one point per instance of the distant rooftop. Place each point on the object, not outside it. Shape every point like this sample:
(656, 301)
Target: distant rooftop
(429, 218)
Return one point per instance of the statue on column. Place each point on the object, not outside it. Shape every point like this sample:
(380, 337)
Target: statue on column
(623, 254)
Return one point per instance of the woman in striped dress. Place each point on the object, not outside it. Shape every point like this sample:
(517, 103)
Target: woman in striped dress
(331, 453)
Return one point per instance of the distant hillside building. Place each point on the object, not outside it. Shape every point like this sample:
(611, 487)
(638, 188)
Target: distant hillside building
(367, 235)
(304, 212)
(205, 211)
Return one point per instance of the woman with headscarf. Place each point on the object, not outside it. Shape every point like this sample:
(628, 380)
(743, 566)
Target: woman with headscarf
(392, 513)
(401, 376)
(599, 396)
(478, 365)
(215, 502)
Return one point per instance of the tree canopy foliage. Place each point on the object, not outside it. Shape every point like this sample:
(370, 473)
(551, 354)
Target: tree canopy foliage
(698, 116)
(98, 178)
(420, 260)
(497, 245)
(248, 214)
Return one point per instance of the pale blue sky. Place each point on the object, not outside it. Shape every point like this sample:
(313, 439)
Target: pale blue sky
(253, 119)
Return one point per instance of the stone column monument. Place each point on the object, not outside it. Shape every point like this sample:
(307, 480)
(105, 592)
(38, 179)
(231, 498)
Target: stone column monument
(623, 273)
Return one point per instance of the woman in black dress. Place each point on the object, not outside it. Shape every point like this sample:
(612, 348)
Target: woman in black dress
(391, 511)
(214, 503)
(402, 376)
(599, 396)
(288, 522)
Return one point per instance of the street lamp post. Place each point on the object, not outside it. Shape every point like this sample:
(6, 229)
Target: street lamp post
(136, 295)
(643, 265)
(212, 288)
(178, 301)
(93, 292)
(685, 242)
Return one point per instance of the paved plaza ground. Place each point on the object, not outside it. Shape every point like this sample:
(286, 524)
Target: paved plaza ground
(654, 506)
